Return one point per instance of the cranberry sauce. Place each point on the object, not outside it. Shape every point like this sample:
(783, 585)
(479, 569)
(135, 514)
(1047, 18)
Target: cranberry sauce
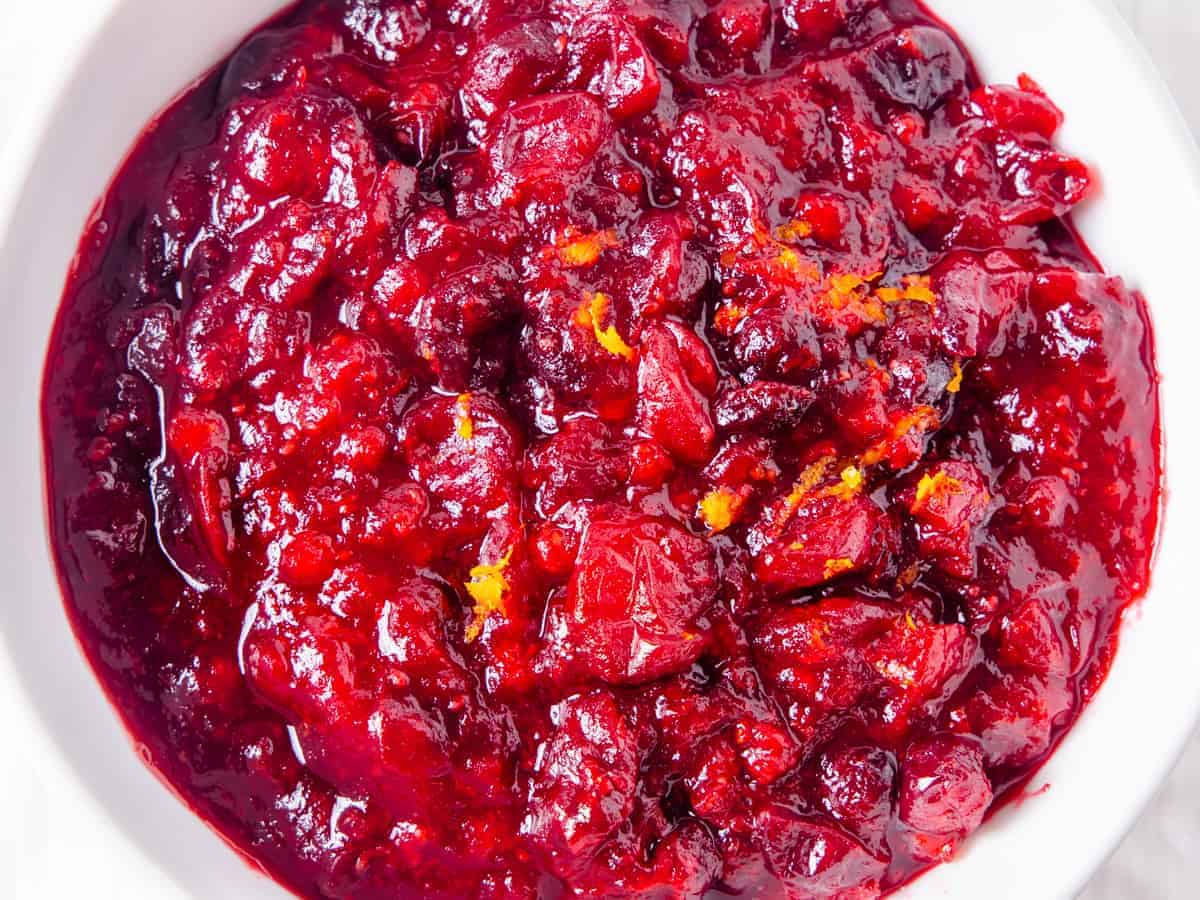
(512, 448)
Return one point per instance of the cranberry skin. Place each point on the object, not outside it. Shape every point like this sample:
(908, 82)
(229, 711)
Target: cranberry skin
(944, 795)
(362, 448)
(553, 550)
(761, 406)
(663, 272)
(920, 661)
(737, 26)
(816, 21)
(584, 460)
(278, 157)
(1020, 110)
(473, 476)
(1031, 639)
(307, 559)
(1015, 716)
(950, 504)
(651, 465)
(919, 67)
(635, 598)
(395, 516)
(685, 862)
(201, 439)
(569, 366)
(978, 295)
(356, 743)
(815, 658)
(445, 323)
(410, 627)
(384, 29)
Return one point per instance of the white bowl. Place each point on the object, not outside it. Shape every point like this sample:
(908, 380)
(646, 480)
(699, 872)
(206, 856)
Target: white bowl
(83, 817)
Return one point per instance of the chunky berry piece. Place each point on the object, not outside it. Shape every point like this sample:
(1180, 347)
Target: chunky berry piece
(584, 786)
(201, 440)
(823, 538)
(517, 61)
(532, 155)
(814, 859)
(672, 409)
(608, 448)
(919, 67)
(944, 794)
(737, 26)
(816, 21)
(686, 861)
(949, 503)
(585, 460)
(856, 789)
(634, 604)
(463, 451)
(609, 60)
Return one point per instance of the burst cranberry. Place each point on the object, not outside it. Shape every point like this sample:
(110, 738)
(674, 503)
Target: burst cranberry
(672, 409)
(817, 860)
(517, 61)
(609, 60)
(944, 795)
(737, 26)
(585, 782)
(307, 559)
(824, 538)
(634, 602)
(949, 503)
(531, 151)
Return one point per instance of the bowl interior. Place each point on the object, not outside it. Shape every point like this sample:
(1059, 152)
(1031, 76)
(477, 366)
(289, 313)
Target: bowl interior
(75, 775)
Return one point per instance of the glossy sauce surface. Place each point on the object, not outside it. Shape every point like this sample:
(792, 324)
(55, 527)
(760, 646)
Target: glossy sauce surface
(615, 448)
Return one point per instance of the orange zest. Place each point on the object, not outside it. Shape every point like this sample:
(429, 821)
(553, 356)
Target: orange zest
(487, 588)
(843, 288)
(916, 288)
(939, 484)
(955, 383)
(853, 290)
(726, 318)
(464, 425)
(578, 250)
(809, 478)
(835, 567)
(921, 417)
(596, 308)
(850, 485)
(719, 508)
(795, 230)
(794, 264)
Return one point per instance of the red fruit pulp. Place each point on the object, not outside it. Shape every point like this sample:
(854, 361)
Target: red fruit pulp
(623, 448)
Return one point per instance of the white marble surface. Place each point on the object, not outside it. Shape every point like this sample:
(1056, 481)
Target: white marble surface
(1160, 859)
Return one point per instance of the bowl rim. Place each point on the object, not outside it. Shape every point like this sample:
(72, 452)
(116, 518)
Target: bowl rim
(28, 142)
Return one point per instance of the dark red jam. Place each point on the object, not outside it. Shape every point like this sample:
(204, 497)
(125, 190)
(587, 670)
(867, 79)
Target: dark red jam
(532, 448)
